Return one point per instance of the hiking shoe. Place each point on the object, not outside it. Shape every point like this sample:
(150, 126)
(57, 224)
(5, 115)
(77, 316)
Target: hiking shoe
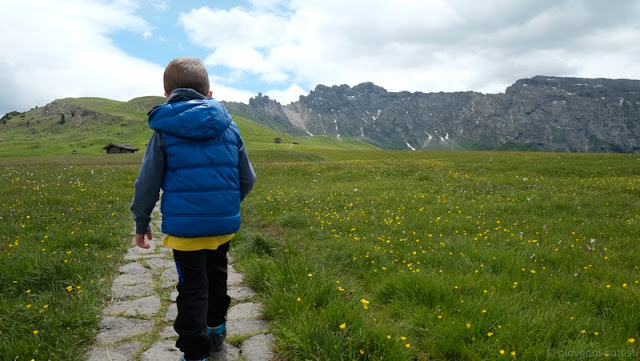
(217, 336)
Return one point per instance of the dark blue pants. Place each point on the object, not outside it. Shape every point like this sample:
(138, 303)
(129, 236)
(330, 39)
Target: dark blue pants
(202, 298)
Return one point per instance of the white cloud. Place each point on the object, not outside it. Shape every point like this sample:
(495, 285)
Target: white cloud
(239, 57)
(224, 92)
(214, 28)
(54, 49)
(62, 49)
(289, 95)
(420, 45)
(130, 5)
(270, 5)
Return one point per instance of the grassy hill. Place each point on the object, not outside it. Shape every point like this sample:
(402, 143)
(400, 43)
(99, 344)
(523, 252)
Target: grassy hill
(82, 126)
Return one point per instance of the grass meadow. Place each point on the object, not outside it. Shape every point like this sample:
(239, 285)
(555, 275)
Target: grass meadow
(448, 255)
(357, 255)
(64, 227)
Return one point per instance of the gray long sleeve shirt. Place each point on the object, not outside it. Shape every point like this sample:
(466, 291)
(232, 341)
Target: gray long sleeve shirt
(150, 178)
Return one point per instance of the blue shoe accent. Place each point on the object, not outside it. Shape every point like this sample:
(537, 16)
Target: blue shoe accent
(218, 330)
(217, 335)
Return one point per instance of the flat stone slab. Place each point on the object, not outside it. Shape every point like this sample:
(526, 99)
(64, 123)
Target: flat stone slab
(168, 284)
(248, 326)
(131, 291)
(116, 329)
(148, 256)
(228, 353)
(170, 274)
(241, 293)
(257, 348)
(138, 251)
(168, 332)
(174, 296)
(162, 351)
(233, 277)
(133, 267)
(155, 251)
(155, 242)
(157, 265)
(172, 313)
(165, 251)
(146, 306)
(244, 310)
(121, 353)
(127, 279)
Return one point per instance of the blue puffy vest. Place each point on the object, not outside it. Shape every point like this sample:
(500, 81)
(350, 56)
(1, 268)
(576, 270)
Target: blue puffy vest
(201, 183)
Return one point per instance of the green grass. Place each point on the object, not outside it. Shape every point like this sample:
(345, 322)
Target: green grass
(456, 255)
(357, 255)
(64, 227)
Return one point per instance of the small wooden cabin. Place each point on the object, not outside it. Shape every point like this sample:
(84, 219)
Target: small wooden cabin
(114, 148)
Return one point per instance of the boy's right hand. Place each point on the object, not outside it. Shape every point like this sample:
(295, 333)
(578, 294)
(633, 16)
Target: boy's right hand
(141, 242)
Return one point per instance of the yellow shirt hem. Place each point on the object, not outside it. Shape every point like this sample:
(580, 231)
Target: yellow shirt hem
(196, 243)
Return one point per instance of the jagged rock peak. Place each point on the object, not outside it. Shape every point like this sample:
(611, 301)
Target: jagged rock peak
(366, 87)
(369, 87)
(263, 100)
(582, 86)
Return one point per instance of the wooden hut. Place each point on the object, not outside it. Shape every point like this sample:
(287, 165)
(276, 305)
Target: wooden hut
(114, 148)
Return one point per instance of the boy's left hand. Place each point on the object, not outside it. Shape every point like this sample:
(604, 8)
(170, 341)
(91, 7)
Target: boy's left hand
(141, 242)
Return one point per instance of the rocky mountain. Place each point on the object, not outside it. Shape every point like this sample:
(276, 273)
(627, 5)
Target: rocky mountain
(541, 113)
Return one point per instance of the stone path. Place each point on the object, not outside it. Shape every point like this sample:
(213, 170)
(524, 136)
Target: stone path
(137, 325)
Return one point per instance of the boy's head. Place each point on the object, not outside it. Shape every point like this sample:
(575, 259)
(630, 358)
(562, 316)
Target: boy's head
(186, 73)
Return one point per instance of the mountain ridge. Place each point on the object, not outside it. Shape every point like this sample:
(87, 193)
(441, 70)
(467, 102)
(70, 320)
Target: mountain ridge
(540, 113)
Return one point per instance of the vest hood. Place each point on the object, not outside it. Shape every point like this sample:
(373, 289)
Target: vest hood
(188, 114)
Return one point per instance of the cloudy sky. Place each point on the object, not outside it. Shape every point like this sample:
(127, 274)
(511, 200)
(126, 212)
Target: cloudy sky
(284, 48)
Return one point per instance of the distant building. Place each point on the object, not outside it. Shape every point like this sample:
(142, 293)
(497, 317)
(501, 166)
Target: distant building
(114, 148)
(277, 140)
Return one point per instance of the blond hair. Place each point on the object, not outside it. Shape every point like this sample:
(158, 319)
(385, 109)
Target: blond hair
(186, 73)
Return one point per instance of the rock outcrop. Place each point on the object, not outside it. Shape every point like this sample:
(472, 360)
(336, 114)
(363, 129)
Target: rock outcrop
(541, 113)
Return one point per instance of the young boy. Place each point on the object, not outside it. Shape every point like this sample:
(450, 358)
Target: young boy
(197, 157)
